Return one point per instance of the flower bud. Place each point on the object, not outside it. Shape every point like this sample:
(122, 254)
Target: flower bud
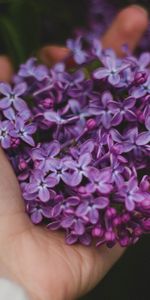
(91, 124)
(97, 231)
(48, 103)
(111, 212)
(109, 236)
(15, 142)
(22, 165)
(146, 224)
(140, 77)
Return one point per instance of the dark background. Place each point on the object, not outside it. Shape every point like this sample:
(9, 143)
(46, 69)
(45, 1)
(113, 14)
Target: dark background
(25, 26)
(129, 279)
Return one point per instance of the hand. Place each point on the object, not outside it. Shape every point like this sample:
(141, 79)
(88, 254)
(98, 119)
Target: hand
(32, 256)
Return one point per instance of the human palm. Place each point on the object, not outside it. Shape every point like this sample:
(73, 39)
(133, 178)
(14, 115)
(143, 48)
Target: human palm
(33, 256)
(39, 259)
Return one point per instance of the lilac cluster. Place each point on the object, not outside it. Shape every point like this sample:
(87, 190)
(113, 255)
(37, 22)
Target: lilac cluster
(79, 141)
(101, 13)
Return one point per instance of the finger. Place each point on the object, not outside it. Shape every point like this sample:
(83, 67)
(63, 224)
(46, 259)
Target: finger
(12, 210)
(53, 54)
(127, 28)
(6, 69)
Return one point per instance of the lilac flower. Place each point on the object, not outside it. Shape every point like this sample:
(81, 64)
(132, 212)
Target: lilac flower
(24, 131)
(30, 70)
(91, 209)
(81, 167)
(12, 96)
(80, 111)
(80, 56)
(59, 171)
(42, 155)
(82, 91)
(102, 109)
(122, 110)
(127, 78)
(5, 138)
(141, 90)
(38, 211)
(101, 141)
(111, 71)
(117, 170)
(132, 140)
(84, 239)
(73, 80)
(142, 62)
(86, 147)
(76, 224)
(54, 117)
(131, 194)
(100, 181)
(96, 48)
(64, 205)
(40, 185)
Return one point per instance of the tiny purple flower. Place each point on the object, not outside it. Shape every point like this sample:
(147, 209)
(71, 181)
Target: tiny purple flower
(24, 131)
(38, 210)
(41, 155)
(100, 181)
(12, 96)
(131, 194)
(91, 208)
(122, 110)
(111, 70)
(80, 56)
(5, 138)
(40, 185)
(141, 90)
(81, 166)
(30, 70)
(59, 171)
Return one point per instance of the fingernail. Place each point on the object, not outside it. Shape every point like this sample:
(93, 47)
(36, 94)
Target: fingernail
(140, 9)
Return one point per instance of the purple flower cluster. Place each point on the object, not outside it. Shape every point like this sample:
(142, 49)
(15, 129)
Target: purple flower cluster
(79, 141)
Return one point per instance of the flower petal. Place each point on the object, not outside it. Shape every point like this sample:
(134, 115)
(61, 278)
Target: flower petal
(44, 194)
(36, 217)
(143, 138)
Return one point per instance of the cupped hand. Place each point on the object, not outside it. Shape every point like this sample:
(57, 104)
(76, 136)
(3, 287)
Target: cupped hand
(32, 256)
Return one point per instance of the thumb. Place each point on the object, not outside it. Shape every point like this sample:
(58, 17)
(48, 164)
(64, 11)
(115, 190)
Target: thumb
(12, 210)
(10, 195)
(9, 191)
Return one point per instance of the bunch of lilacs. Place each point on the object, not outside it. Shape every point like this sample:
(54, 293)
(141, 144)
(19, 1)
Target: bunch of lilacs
(78, 138)
(101, 13)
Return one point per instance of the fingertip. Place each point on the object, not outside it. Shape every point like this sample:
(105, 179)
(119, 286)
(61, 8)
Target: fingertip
(128, 27)
(6, 69)
(53, 54)
(133, 21)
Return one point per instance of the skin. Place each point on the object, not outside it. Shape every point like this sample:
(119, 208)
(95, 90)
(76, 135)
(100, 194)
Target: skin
(32, 256)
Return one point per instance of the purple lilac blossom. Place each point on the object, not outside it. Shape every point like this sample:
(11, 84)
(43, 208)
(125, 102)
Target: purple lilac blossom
(80, 144)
